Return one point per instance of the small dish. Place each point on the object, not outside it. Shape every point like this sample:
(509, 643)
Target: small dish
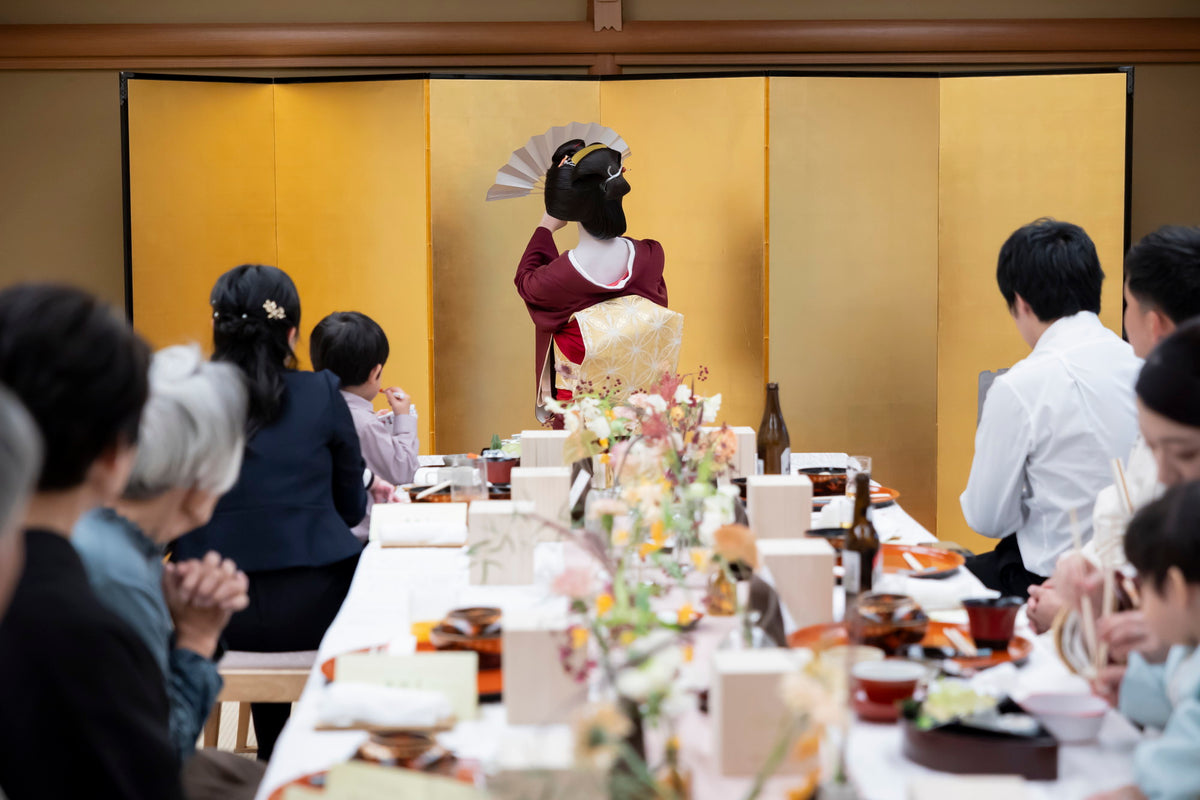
(890, 622)
(992, 620)
(475, 629)
(1072, 718)
(826, 481)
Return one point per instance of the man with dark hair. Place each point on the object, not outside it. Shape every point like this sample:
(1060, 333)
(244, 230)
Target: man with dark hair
(354, 348)
(1052, 423)
(83, 708)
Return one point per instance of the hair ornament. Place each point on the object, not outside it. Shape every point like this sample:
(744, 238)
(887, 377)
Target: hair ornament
(611, 175)
(273, 309)
(574, 159)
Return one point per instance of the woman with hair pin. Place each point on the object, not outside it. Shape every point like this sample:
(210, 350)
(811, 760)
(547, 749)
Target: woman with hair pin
(576, 348)
(286, 522)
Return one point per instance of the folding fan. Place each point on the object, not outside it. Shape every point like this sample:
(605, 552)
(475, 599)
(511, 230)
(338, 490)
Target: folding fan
(525, 172)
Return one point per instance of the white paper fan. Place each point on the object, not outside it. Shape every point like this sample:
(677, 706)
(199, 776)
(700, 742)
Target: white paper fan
(525, 172)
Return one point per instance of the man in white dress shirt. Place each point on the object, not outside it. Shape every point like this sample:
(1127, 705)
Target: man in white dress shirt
(1052, 423)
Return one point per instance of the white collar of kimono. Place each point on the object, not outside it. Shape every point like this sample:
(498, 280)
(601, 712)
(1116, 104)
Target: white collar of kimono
(619, 284)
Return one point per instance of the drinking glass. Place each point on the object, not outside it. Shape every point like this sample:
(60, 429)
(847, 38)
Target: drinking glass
(468, 479)
(855, 465)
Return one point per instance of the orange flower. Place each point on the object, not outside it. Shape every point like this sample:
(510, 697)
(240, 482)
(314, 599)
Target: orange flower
(646, 548)
(689, 652)
(627, 638)
(603, 443)
(701, 556)
(736, 543)
(579, 638)
(806, 790)
(657, 534)
(687, 613)
(604, 604)
(605, 458)
(808, 746)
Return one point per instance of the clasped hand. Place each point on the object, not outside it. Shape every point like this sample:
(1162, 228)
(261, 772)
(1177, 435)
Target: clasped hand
(202, 594)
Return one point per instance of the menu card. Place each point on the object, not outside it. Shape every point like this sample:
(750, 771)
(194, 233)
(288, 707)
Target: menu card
(455, 674)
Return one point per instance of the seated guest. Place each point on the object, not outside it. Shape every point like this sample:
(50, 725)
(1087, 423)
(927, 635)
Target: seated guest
(302, 485)
(1050, 424)
(83, 709)
(1161, 543)
(190, 451)
(1162, 290)
(20, 461)
(353, 347)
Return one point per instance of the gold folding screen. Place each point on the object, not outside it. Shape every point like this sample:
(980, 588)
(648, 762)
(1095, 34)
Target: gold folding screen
(853, 272)
(837, 234)
(1013, 149)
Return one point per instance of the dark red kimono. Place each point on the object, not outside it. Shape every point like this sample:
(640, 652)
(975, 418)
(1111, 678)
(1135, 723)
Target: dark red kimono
(553, 289)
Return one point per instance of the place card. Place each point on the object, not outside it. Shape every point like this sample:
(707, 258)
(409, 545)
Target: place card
(501, 537)
(802, 574)
(779, 506)
(419, 524)
(359, 780)
(453, 673)
(549, 489)
(537, 691)
(747, 710)
(543, 448)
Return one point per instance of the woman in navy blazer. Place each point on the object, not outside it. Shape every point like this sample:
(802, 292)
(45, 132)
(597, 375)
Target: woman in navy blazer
(287, 521)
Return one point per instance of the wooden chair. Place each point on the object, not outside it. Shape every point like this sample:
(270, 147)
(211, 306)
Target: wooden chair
(257, 678)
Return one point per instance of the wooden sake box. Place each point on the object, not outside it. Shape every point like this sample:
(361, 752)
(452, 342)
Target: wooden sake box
(747, 710)
(779, 506)
(537, 690)
(745, 462)
(543, 448)
(802, 573)
(548, 488)
(500, 540)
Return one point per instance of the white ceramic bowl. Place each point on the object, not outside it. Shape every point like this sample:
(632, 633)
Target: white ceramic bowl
(889, 671)
(1070, 717)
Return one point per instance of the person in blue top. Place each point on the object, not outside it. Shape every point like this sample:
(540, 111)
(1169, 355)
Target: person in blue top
(303, 485)
(190, 443)
(1161, 543)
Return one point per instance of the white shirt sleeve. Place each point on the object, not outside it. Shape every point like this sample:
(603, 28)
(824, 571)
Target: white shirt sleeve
(1003, 442)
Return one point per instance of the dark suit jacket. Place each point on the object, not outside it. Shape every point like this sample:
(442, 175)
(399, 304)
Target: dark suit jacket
(300, 490)
(83, 705)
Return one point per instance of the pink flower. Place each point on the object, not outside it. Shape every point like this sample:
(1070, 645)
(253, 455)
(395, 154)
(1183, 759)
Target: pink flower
(574, 582)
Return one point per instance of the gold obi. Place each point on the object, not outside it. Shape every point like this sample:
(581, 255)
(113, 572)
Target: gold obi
(628, 339)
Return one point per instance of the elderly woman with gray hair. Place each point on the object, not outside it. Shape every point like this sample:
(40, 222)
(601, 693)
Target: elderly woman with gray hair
(20, 463)
(190, 443)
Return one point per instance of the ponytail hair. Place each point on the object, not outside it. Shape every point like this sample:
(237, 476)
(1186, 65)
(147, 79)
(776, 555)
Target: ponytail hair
(254, 308)
(587, 191)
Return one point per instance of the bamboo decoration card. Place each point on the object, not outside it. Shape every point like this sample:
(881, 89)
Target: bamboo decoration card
(501, 538)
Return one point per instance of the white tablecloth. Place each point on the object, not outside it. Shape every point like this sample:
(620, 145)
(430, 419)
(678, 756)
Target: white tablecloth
(396, 586)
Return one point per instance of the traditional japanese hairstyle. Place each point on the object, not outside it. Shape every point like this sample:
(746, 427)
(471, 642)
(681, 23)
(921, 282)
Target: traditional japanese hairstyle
(1169, 383)
(255, 308)
(585, 184)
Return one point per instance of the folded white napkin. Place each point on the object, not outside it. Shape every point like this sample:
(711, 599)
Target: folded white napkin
(934, 594)
(424, 534)
(348, 705)
(838, 512)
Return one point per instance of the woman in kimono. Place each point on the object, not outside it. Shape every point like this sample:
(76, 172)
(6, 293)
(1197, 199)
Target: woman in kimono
(600, 309)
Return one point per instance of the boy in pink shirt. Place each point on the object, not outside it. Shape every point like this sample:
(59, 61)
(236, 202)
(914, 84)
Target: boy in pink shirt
(354, 348)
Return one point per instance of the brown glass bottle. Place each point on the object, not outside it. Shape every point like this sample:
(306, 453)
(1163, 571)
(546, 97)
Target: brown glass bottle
(774, 446)
(862, 543)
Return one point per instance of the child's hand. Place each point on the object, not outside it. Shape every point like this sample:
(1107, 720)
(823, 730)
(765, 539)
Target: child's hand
(1107, 685)
(382, 491)
(398, 399)
(1128, 632)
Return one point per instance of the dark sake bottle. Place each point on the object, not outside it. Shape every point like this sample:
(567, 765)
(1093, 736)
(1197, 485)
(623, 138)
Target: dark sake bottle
(862, 544)
(774, 446)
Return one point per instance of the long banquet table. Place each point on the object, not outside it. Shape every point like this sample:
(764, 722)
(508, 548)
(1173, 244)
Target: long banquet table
(395, 586)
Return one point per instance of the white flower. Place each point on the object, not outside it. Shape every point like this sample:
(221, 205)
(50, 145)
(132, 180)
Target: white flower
(698, 490)
(729, 490)
(682, 393)
(677, 702)
(720, 505)
(599, 425)
(635, 685)
(648, 402)
(805, 695)
(712, 407)
(571, 422)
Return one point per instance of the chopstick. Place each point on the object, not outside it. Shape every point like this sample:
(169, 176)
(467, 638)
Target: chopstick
(956, 638)
(437, 487)
(1109, 594)
(1085, 602)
